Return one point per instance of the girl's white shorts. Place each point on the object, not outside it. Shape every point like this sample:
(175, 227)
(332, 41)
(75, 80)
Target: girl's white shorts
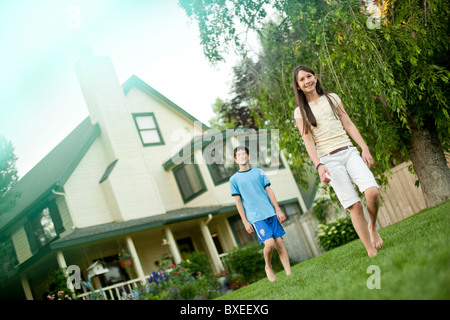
(346, 167)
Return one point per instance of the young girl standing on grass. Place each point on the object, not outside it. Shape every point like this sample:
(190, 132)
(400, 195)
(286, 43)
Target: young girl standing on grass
(324, 126)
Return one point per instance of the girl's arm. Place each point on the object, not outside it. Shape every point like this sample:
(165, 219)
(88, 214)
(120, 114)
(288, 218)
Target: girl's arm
(312, 152)
(351, 129)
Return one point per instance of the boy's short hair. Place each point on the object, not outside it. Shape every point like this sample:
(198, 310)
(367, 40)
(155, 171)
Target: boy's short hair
(240, 148)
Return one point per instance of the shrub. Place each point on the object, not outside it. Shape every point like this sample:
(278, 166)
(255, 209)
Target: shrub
(320, 209)
(248, 262)
(57, 287)
(197, 261)
(336, 233)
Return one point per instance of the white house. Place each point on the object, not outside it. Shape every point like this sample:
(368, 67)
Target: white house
(135, 175)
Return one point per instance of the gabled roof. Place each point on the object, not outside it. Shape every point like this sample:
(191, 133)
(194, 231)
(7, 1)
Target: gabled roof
(136, 82)
(51, 172)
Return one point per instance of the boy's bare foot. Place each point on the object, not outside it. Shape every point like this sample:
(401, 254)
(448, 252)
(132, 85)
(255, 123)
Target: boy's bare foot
(375, 237)
(372, 253)
(271, 275)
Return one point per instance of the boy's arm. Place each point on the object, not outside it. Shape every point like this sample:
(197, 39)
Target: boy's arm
(240, 209)
(280, 215)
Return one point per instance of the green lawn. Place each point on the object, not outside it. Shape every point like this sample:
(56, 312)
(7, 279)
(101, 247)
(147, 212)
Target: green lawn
(414, 263)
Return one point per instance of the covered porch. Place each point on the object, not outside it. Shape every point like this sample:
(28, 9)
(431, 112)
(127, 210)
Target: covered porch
(131, 250)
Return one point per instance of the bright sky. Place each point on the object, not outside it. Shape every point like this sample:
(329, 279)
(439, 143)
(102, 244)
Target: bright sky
(40, 98)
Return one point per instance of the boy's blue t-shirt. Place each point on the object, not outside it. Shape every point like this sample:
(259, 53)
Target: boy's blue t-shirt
(250, 186)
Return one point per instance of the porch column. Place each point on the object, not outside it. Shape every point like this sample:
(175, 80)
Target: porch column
(63, 265)
(61, 261)
(26, 288)
(211, 246)
(135, 258)
(172, 245)
(230, 233)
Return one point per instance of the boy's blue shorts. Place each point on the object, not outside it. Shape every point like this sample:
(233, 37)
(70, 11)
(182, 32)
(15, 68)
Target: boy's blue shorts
(268, 228)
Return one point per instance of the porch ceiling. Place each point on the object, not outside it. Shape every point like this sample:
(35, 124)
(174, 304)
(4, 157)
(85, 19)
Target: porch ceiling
(114, 229)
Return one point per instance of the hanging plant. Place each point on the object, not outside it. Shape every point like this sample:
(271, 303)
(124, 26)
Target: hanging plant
(124, 258)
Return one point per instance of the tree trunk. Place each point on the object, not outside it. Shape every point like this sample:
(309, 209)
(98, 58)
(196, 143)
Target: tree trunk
(429, 163)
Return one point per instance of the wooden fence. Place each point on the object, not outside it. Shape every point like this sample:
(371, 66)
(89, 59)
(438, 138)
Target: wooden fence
(400, 198)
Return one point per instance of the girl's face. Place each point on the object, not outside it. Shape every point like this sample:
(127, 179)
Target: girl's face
(306, 81)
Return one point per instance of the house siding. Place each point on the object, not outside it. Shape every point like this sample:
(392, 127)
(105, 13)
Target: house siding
(20, 241)
(150, 249)
(176, 131)
(111, 202)
(65, 215)
(84, 195)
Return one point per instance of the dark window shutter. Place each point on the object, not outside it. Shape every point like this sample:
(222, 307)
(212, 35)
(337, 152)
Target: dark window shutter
(56, 217)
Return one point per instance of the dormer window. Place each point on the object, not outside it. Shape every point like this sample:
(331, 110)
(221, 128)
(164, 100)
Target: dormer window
(148, 129)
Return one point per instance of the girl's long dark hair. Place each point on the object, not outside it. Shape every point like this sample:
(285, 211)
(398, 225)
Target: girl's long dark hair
(300, 100)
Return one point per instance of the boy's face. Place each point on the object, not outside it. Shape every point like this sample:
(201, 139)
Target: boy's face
(241, 157)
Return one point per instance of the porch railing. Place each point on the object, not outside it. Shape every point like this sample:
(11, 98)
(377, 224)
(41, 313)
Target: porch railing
(114, 291)
(222, 257)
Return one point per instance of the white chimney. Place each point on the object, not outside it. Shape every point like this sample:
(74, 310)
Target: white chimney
(135, 193)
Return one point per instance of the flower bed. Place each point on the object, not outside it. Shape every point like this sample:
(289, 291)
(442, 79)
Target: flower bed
(180, 282)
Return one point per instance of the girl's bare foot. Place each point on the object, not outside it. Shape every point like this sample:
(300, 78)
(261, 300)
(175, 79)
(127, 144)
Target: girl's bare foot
(375, 237)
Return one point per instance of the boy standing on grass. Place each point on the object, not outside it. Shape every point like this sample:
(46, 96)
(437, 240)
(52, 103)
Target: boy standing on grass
(259, 210)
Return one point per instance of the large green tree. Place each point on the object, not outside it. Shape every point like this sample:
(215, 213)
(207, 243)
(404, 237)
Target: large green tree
(236, 112)
(8, 178)
(388, 61)
(8, 174)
